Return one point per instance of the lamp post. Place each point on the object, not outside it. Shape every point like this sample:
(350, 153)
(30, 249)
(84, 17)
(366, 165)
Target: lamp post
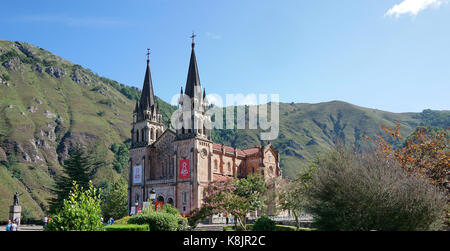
(153, 196)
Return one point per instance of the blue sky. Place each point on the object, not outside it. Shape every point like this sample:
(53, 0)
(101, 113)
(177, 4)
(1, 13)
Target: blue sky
(391, 54)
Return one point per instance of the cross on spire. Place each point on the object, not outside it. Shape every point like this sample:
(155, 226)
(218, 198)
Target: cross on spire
(148, 54)
(192, 37)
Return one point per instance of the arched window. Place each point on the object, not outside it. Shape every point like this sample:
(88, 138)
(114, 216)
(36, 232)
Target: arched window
(170, 201)
(137, 135)
(143, 135)
(215, 165)
(229, 167)
(151, 134)
(182, 130)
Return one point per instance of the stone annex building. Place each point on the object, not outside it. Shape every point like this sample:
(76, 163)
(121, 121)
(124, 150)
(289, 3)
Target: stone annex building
(179, 164)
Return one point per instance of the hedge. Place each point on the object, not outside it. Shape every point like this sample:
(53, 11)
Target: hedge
(158, 221)
(127, 227)
(122, 221)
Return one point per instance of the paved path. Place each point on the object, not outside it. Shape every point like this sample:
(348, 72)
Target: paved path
(25, 228)
(209, 227)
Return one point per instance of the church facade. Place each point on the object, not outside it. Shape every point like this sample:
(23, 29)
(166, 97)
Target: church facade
(178, 164)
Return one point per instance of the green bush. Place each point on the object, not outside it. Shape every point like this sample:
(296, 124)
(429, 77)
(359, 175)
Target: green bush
(264, 223)
(182, 224)
(127, 227)
(157, 221)
(81, 211)
(171, 210)
(354, 192)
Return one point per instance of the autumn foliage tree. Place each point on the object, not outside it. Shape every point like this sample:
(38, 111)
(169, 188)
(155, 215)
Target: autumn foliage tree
(425, 153)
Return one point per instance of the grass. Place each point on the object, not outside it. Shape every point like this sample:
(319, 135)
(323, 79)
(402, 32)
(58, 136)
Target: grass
(127, 227)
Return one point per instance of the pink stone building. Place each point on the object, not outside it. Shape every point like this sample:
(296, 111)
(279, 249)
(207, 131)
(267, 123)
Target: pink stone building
(179, 164)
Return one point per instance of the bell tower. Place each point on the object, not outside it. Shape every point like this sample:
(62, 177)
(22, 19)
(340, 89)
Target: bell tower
(194, 120)
(147, 124)
(146, 128)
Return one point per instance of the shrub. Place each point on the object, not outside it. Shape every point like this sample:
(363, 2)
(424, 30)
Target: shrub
(81, 211)
(122, 221)
(366, 192)
(182, 224)
(127, 227)
(157, 221)
(171, 210)
(264, 223)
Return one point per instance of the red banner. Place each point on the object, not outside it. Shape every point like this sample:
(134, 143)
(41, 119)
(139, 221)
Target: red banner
(139, 209)
(184, 169)
(158, 206)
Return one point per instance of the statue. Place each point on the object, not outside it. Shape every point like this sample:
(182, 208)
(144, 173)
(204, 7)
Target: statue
(16, 199)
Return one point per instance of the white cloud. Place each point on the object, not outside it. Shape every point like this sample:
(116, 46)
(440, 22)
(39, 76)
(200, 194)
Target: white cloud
(413, 7)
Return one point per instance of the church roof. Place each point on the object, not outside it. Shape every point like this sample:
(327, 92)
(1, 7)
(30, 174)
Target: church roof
(147, 97)
(193, 86)
(244, 152)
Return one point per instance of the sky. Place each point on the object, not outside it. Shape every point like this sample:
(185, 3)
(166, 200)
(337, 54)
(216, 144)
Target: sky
(391, 55)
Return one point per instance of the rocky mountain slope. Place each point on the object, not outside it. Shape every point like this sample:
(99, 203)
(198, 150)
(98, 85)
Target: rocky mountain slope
(48, 104)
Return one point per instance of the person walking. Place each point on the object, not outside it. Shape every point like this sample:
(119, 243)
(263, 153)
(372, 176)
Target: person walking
(14, 226)
(8, 226)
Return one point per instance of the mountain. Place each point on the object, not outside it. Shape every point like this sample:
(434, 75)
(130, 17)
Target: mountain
(48, 104)
(307, 130)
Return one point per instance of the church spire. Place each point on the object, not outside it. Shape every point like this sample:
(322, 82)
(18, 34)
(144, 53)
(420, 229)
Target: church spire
(147, 97)
(193, 87)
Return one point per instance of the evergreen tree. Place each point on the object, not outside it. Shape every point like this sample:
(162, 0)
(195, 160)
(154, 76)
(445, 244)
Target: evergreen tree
(116, 200)
(76, 168)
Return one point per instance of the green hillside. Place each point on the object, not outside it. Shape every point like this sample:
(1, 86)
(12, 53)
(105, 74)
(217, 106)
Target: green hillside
(307, 130)
(48, 104)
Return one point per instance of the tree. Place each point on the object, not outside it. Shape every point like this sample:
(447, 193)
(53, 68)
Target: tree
(365, 192)
(234, 197)
(76, 168)
(424, 153)
(81, 211)
(116, 200)
(252, 189)
(293, 194)
(121, 156)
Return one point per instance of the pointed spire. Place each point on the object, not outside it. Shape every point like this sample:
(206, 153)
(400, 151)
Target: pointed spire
(193, 86)
(136, 108)
(147, 97)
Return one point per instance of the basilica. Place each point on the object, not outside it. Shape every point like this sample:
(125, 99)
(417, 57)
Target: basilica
(178, 163)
